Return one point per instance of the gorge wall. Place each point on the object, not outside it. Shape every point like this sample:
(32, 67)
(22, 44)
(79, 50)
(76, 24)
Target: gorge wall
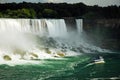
(105, 32)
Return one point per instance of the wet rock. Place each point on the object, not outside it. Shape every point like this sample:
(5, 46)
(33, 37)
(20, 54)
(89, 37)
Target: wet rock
(61, 54)
(47, 51)
(33, 56)
(7, 57)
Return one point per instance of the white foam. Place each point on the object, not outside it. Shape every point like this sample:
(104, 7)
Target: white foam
(20, 38)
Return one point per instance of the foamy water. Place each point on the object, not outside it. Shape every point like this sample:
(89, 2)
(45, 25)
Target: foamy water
(27, 40)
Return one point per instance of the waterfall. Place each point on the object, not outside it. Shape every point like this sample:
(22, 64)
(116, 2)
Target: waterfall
(56, 27)
(79, 23)
(36, 26)
(29, 39)
(9, 25)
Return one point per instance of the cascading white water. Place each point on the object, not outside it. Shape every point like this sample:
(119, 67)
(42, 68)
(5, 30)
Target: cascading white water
(56, 27)
(36, 26)
(21, 38)
(79, 23)
(22, 25)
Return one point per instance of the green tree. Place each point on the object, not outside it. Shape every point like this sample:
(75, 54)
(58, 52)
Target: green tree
(49, 13)
(24, 13)
(32, 13)
(39, 15)
(92, 15)
(1, 15)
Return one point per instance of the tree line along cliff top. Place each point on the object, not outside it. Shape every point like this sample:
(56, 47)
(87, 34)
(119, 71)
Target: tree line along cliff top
(58, 10)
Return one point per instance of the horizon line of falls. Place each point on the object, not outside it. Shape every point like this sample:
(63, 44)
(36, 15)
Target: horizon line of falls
(27, 39)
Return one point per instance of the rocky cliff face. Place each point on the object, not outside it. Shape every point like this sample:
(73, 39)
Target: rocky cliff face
(104, 32)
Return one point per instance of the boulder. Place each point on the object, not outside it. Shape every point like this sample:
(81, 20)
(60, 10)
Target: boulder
(47, 51)
(61, 54)
(7, 57)
(33, 56)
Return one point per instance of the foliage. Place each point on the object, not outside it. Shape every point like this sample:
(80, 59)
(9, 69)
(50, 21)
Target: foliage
(1, 15)
(57, 10)
(20, 13)
(49, 13)
(92, 15)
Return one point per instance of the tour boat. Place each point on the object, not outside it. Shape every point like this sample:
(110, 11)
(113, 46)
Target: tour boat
(99, 61)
